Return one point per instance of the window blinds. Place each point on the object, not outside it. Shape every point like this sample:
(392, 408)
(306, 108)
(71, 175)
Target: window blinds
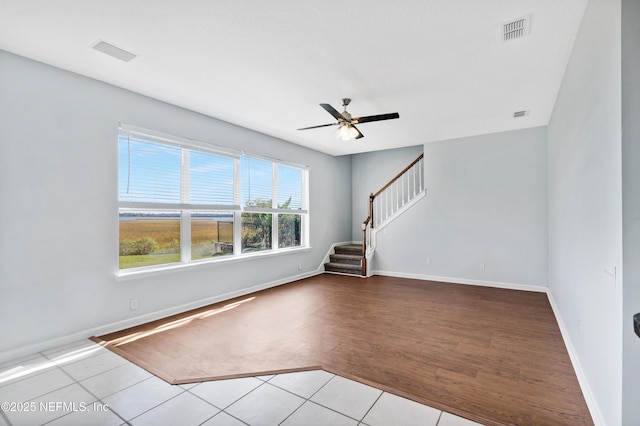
(149, 171)
(289, 187)
(155, 172)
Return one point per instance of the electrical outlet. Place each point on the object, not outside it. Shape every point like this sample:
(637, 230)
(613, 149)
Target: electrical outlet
(578, 325)
(482, 266)
(428, 261)
(299, 266)
(133, 304)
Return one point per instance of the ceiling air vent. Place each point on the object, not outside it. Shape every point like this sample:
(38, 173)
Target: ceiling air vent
(113, 51)
(519, 114)
(516, 29)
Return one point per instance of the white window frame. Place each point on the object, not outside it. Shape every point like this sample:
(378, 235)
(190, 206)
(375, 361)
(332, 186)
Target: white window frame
(185, 208)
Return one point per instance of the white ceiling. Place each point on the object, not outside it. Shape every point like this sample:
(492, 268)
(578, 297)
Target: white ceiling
(267, 64)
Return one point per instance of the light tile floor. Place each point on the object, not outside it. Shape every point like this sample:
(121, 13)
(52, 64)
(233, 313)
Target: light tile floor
(84, 384)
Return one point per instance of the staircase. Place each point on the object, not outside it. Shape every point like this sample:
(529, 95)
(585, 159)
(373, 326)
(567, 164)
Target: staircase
(399, 194)
(347, 259)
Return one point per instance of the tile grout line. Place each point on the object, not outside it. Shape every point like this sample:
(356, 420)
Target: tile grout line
(5, 418)
(100, 400)
(264, 382)
(382, 392)
(305, 399)
(156, 406)
(51, 359)
(308, 399)
(57, 366)
(222, 410)
(43, 371)
(87, 390)
(323, 406)
(227, 406)
(374, 403)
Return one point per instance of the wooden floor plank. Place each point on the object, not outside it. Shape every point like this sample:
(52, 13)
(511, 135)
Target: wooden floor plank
(491, 355)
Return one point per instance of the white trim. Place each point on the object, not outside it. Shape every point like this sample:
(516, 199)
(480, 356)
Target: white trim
(155, 136)
(135, 205)
(272, 210)
(466, 281)
(401, 210)
(592, 404)
(373, 232)
(143, 319)
(273, 159)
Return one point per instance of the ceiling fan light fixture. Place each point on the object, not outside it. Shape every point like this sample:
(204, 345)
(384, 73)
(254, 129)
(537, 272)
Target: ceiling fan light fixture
(344, 132)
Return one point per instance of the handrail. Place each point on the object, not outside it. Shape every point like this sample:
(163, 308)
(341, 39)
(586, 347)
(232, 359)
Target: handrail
(396, 177)
(369, 222)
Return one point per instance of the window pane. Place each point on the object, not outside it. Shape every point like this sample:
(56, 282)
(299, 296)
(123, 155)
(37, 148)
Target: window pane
(148, 171)
(149, 238)
(256, 182)
(256, 232)
(289, 230)
(210, 178)
(211, 234)
(289, 187)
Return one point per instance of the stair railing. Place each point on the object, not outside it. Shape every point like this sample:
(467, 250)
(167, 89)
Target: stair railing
(388, 200)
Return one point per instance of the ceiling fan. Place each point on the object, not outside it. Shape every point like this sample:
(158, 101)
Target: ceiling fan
(347, 129)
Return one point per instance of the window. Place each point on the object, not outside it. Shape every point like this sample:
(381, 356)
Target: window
(181, 201)
(272, 199)
(149, 238)
(211, 234)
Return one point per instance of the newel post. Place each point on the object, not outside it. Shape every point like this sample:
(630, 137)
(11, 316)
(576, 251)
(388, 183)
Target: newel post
(371, 198)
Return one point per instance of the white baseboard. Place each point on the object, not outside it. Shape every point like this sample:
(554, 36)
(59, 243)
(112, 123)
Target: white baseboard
(142, 319)
(496, 284)
(592, 404)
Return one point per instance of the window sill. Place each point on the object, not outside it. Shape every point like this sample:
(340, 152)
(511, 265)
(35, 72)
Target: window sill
(126, 275)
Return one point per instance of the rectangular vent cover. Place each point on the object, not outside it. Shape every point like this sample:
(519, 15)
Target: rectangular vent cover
(516, 29)
(113, 51)
(518, 114)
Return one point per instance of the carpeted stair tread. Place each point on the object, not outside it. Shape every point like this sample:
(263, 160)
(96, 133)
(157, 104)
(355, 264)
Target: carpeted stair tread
(352, 259)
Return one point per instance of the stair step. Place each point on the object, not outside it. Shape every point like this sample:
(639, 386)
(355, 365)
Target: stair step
(354, 249)
(343, 268)
(351, 259)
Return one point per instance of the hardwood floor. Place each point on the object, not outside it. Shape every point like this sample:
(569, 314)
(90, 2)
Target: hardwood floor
(495, 356)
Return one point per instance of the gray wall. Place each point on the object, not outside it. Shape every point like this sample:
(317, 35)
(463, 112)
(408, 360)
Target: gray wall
(585, 205)
(485, 204)
(631, 207)
(59, 211)
(370, 172)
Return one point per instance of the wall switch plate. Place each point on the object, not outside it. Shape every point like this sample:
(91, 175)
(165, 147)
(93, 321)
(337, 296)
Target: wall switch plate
(636, 323)
(482, 266)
